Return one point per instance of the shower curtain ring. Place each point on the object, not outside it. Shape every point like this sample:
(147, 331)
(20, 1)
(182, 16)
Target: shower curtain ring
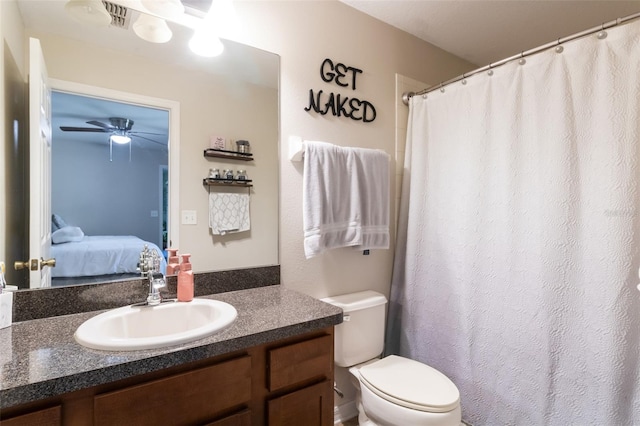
(441, 88)
(522, 60)
(602, 34)
(464, 80)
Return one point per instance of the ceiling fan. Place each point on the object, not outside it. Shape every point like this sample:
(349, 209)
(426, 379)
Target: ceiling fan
(120, 130)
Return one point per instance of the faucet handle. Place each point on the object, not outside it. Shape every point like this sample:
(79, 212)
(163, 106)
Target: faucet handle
(158, 281)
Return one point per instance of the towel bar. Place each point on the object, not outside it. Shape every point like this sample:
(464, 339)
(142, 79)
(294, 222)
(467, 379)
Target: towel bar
(296, 149)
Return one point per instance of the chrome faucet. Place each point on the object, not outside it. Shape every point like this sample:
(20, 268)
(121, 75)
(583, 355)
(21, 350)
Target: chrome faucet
(149, 267)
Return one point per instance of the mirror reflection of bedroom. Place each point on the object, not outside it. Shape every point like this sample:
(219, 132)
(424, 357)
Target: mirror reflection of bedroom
(109, 187)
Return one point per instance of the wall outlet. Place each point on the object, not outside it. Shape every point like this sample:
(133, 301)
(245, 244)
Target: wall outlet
(189, 217)
(154, 213)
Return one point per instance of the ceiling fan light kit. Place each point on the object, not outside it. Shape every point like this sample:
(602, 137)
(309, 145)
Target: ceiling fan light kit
(90, 12)
(120, 138)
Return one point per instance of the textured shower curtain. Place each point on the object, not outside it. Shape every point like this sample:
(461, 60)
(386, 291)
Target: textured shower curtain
(519, 237)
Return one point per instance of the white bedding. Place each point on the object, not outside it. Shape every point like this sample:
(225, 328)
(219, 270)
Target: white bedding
(100, 255)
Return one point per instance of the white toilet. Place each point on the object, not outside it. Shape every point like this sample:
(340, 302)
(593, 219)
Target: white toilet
(392, 391)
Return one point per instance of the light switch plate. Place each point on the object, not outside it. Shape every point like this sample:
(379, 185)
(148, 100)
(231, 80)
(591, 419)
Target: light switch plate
(189, 217)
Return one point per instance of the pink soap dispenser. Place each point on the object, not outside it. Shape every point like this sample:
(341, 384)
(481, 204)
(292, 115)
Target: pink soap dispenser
(185, 280)
(173, 264)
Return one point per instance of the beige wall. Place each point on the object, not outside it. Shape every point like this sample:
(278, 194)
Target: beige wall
(304, 33)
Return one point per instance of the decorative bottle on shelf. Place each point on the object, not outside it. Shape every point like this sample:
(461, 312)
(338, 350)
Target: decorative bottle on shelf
(173, 263)
(185, 280)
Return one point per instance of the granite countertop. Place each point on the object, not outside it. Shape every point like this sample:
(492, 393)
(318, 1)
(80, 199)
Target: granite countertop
(40, 358)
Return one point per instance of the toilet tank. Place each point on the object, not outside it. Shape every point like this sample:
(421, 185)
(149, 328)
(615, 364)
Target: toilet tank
(360, 337)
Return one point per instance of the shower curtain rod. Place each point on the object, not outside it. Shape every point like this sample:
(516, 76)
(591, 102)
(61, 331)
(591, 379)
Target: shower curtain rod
(406, 96)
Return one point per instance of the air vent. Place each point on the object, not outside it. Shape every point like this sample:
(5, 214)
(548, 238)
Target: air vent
(120, 16)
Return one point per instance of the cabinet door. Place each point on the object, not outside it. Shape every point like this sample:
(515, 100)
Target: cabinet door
(194, 397)
(295, 363)
(310, 406)
(47, 417)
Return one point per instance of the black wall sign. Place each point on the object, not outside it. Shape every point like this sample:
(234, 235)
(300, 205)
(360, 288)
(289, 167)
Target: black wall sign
(339, 105)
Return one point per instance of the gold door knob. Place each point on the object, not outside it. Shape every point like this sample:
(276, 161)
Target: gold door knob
(17, 265)
(49, 262)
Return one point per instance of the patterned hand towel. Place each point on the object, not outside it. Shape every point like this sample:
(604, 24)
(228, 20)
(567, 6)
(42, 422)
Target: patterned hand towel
(228, 213)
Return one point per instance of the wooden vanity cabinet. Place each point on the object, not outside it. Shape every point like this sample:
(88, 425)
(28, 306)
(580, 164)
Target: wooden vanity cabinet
(286, 382)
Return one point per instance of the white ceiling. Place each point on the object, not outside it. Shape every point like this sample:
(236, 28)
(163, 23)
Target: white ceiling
(483, 32)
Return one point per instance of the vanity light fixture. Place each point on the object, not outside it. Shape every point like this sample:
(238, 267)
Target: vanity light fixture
(152, 29)
(91, 12)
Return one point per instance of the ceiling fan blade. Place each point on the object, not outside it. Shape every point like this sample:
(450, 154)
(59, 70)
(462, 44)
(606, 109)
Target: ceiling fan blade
(151, 140)
(147, 133)
(101, 124)
(83, 129)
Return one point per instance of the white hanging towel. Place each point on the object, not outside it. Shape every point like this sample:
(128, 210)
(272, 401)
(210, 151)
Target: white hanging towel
(345, 198)
(228, 213)
(371, 173)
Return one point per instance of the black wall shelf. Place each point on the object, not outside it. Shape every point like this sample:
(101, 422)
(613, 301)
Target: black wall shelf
(233, 155)
(244, 183)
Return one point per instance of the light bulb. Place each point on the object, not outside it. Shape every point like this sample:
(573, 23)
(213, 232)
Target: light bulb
(205, 42)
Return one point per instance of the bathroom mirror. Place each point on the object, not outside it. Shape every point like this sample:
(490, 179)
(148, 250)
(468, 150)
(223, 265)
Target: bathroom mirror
(234, 96)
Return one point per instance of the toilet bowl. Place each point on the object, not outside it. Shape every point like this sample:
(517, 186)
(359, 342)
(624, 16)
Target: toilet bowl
(400, 391)
(392, 391)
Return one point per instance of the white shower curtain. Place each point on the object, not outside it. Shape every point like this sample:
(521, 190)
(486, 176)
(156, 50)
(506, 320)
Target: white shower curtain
(519, 237)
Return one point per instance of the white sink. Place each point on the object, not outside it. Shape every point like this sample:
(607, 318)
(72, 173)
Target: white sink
(147, 327)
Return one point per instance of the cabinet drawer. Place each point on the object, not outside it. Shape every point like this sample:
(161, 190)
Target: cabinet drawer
(192, 397)
(242, 418)
(302, 361)
(47, 417)
(310, 406)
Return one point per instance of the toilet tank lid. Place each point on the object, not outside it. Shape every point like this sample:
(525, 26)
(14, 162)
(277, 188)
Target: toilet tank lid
(356, 301)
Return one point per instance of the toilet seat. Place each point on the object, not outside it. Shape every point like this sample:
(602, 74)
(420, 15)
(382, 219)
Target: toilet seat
(410, 384)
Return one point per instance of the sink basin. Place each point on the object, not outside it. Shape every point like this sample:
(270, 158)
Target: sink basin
(147, 327)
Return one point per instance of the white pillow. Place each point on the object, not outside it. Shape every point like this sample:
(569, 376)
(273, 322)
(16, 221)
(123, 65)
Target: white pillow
(67, 234)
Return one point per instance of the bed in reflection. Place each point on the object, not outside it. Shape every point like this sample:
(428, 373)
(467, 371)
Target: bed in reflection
(94, 258)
